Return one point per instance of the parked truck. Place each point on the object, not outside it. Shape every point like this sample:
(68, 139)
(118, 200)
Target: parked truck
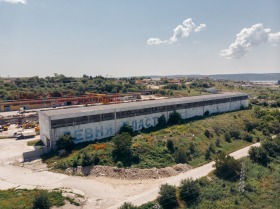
(25, 134)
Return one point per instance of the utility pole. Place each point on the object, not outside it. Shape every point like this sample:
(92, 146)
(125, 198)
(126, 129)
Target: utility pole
(242, 178)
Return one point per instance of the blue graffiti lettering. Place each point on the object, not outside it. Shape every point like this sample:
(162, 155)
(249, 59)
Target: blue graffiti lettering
(141, 124)
(109, 131)
(88, 133)
(148, 122)
(99, 132)
(134, 125)
(78, 136)
(155, 120)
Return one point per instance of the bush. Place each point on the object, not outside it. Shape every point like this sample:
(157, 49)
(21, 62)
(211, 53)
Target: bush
(218, 142)
(161, 122)
(227, 167)
(259, 155)
(207, 154)
(41, 201)
(126, 129)
(189, 191)
(207, 133)
(180, 156)
(65, 142)
(235, 134)
(170, 145)
(167, 196)
(248, 138)
(128, 205)
(119, 164)
(174, 118)
(227, 137)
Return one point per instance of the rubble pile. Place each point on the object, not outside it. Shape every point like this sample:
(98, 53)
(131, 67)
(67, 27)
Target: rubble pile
(129, 173)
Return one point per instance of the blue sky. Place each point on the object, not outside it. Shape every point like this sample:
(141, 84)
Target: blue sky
(111, 37)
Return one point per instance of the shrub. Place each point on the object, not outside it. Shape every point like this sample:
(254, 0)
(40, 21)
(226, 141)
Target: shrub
(218, 142)
(206, 113)
(212, 148)
(207, 154)
(180, 156)
(126, 129)
(86, 159)
(119, 164)
(235, 134)
(248, 138)
(167, 196)
(259, 155)
(128, 205)
(207, 133)
(162, 122)
(41, 201)
(65, 142)
(170, 145)
(227, 167)
(189, 191)
(174, 118)
(227, 137)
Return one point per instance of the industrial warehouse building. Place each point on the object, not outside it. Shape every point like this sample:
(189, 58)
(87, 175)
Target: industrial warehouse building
(102, 121)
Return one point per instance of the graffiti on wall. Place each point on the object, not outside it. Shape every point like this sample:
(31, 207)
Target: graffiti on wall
(103, 131)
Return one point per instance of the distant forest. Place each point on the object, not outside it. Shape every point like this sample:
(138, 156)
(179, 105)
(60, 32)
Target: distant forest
(61, 85)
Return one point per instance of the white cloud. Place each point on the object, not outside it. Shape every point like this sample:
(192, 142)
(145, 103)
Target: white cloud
(248, 38)
(16, 1)
(181, 31)
(200, 28)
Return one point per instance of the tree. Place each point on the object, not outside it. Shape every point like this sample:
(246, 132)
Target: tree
(227, 167)
(41, 201)
(259, 155)
(167, 196)
(161, 122)
(170, 145)
(122, 148)
(174, 118)
(189, 190)
(65, 142)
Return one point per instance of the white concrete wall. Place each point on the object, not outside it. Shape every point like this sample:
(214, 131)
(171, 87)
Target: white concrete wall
(45, 129)
(104, 129)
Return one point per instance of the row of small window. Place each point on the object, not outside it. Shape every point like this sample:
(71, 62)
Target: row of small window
(132, 113)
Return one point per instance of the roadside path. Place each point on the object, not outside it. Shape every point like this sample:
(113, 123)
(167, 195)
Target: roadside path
(100, 192)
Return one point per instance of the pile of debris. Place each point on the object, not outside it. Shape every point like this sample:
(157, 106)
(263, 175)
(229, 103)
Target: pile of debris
(129, 173)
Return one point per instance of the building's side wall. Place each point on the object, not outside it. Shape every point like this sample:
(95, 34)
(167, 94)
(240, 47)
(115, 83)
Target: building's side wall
(45, 129)
(104, 129)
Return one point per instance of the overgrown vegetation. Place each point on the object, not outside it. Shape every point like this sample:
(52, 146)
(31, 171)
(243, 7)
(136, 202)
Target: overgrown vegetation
(261, 187)
(26, 199)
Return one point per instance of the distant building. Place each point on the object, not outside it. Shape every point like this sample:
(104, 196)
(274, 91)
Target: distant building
(98, 122)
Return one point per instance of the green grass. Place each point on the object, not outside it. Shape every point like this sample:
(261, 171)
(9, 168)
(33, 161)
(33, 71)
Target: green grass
(151, 146)
(22, 198)
(36, 142)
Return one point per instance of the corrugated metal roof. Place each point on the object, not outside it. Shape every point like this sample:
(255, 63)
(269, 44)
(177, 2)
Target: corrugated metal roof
(133, 105)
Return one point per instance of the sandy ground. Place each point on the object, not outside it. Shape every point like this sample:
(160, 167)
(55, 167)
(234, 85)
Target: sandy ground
(99, 192)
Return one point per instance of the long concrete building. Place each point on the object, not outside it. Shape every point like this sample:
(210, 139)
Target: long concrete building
(97, 122)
